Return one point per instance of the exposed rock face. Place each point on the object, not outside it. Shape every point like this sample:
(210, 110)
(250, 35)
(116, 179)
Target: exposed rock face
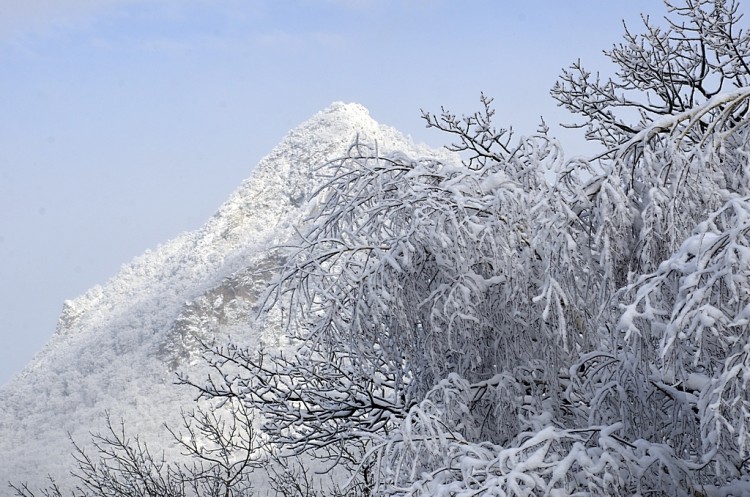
(117, 347)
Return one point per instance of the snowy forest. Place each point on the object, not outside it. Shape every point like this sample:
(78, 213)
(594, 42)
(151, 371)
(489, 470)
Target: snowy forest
(520, 325)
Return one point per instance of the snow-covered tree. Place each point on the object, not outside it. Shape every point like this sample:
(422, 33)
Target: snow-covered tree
(221, 448)
(663, 70)
(536, 326)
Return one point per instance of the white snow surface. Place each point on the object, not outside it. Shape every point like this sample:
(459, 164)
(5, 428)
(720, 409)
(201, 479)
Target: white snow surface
(118, 346)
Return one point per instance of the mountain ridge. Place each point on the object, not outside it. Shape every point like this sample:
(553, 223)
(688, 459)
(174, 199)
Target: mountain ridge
(118, 345)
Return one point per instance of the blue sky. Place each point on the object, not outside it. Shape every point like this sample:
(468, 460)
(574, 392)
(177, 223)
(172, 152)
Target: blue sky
(126, 122)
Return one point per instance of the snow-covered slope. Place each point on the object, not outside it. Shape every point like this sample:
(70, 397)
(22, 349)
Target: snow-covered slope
(117, 347)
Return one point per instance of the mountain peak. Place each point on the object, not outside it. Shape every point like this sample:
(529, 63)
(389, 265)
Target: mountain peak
(118, 345)
(351, 108)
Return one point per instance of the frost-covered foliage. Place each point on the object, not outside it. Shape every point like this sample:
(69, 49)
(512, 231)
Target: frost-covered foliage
(506, 327)
(523, 325)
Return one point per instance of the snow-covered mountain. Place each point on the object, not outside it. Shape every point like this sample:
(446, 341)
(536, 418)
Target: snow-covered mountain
(118, 346)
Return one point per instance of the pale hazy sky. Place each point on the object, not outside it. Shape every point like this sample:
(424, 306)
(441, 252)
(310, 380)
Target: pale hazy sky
(126, 122)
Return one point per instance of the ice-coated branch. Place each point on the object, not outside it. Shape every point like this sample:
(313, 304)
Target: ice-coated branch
(699, 53)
